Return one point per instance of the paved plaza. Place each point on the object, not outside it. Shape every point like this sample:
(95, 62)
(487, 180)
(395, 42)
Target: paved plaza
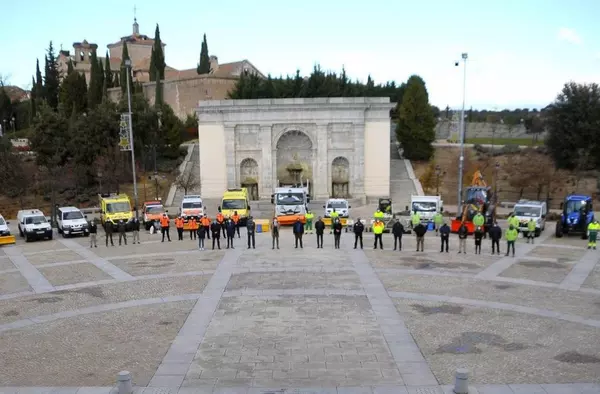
(303, 320)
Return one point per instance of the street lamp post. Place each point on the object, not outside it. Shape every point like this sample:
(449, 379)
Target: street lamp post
(496, 168)
(464, 57)
(154, 152)
(438, 172)
(135, 191)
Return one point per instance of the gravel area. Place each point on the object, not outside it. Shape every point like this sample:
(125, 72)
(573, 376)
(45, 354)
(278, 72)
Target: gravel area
(49, 257)
(343, 280)
(73, 273)
(539, 270)
(207, 260)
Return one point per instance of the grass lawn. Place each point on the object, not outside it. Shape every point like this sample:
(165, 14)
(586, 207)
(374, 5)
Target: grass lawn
(504, 141)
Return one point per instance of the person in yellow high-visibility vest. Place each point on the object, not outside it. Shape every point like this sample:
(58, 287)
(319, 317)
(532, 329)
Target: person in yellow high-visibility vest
(593, 229)
(308, 226)
(378, 215)
(531, 224)
(415, 219)
(378, 228)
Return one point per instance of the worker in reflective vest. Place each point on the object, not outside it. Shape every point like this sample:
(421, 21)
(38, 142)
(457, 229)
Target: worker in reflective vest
(193, 227)
(205, 221)
(236, 221)
(164, 226)
(179, 227)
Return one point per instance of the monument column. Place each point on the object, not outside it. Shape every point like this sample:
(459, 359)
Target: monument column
(357, 166)
(320, 171)
(266, 181)
(232, 181)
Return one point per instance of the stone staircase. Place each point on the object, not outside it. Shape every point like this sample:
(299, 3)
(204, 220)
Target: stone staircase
(193, 165)
(401, 185)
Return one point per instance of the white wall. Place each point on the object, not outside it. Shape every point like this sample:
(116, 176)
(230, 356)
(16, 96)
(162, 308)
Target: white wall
(377, 159)
(213, 156)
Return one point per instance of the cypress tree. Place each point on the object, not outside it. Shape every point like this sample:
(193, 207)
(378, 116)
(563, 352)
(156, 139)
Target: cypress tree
(39, 85)
(108, 74)
(158, 98)
(157, 58)
(51, 78)
(416, 125)
(124, 71)
(101, 79)
(95, 88)
(33, 99)
(116, 83)
(204, 64)
(70, 67)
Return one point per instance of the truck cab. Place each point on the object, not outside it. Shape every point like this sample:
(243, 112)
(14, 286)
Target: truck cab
(70, 221)
(191, 207)
(426, 206)
(152, 212)
(340, 205)
(290, 204)
(236, 200)
(525, 210)
(114, 208)
(33, 225)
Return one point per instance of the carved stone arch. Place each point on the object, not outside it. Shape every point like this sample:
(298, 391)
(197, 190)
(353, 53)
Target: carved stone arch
(249, 177)
(340, 177)
(294, 150)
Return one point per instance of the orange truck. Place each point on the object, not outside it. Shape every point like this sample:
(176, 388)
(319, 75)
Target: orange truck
(153, 211)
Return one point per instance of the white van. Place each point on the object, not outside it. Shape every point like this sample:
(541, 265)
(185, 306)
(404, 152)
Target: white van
(340, 205)
(33, 225)
(191, 206)
(70, 221)
(4, 230)
(524, 210)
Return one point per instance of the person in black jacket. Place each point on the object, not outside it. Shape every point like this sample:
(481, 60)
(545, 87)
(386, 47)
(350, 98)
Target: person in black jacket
(93, 227)
(251, 230)
(122, 233)
(463, 233)
(215, 229)
(230, 228)
(478, 236)
(420, 231)
(358, 229)
(136, 230)
(201, 234)
(495, 235)
(337, 232)
(108, 231)
(298, 232)
(319, 229)
(444, 236)
(398, 231)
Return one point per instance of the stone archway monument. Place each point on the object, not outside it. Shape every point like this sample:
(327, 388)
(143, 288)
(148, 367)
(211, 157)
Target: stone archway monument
(290, 138)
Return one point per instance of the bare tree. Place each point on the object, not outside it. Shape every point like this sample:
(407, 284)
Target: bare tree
(187, 181)
(14, 177)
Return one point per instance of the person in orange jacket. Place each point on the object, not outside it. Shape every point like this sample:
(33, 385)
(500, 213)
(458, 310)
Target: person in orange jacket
(221, 221)
(193, 224)
(236, 221)
(205, 222)
(179, 225)
(164, 226)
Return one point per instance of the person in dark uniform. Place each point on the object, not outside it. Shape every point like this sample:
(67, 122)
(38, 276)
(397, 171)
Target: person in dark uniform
(398, 231)
(215, 229)
(122, 233)
(320, 230)
(108, 230)
(478, 236)
(337, 232)
(444, 236)
(201, 235)
(298, 233)
(230, 228)
(495, 235)
(251, 230)
(358, 229)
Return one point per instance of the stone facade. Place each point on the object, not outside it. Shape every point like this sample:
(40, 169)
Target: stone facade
(336, 142)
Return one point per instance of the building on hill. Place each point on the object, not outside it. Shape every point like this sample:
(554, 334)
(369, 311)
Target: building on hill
(182, 88)
(16, 93)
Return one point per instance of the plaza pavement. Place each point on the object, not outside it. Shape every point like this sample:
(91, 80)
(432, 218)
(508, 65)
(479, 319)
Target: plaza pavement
(299, 320)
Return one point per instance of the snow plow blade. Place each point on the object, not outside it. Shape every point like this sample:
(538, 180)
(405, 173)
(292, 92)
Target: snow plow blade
(8, 240)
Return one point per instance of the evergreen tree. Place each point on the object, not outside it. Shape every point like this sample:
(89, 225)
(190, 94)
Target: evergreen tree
(157, 58)
(116, 83)
(70, 67)
(51, 78)
(158, 99)
(95, 86)
(124, 70)
(103, 88)
(204, 64)
(73, 95)
(415, 130)
(33, 99)
(39, 82)
(108, 74)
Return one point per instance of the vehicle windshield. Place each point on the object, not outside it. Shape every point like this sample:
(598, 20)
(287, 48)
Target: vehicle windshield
(290, 199)
(337, 204)
(2, 222)
(192, 205)
(35, 220)
(155, 209)
(476, 196)
(424, 206)
(117, 207)
(575, 206)
(528, 211)
(233, 204)
(72, 215)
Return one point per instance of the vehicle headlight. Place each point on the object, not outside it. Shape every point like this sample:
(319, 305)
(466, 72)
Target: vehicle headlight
(67, 226)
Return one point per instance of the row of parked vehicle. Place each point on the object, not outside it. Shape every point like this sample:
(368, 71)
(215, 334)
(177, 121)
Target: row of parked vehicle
(33, 224)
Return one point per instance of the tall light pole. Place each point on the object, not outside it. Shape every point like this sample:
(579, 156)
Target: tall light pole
(135, 191)
(461, 160)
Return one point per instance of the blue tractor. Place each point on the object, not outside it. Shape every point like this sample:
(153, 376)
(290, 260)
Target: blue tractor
(577, 213)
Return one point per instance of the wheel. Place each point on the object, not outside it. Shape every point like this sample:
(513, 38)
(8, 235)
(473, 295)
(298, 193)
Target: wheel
(21, 232)
(558, 232)
(27, 239)
(538, 232)
(62, 233)
(584, 235)
(50, 237)
(86, 234)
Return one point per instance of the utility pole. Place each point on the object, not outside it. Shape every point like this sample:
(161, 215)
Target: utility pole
(462, 131)
(135, 191)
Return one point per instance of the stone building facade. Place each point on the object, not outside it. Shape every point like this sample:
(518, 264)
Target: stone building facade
(336, 143)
